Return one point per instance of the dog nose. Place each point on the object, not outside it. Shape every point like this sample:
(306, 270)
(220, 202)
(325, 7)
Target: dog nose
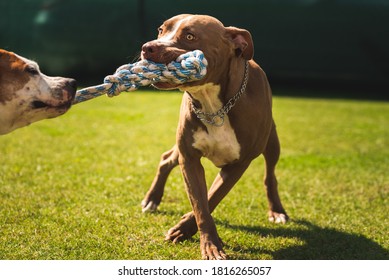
(71, 87)
(71, 83)
(151, 51)
(149, 47)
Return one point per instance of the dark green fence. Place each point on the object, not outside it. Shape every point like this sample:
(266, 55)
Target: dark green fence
(302, 41)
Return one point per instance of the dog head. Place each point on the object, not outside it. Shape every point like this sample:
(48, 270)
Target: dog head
(186, 32)
(27, 95)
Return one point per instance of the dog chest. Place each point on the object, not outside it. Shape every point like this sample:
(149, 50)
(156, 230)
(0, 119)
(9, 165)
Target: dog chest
(218, 144)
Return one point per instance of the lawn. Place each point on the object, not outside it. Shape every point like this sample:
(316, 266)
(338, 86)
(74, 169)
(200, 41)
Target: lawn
(71, 187)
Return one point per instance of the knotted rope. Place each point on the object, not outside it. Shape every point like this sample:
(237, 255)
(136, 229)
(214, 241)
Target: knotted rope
(190, 66)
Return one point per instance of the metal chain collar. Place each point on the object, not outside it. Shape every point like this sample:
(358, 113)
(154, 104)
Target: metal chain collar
(217, 119)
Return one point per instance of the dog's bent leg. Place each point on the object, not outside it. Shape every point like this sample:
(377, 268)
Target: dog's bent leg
(224, 181)
(194, 177)
(222, 184)
(169, 160)
(276, 212)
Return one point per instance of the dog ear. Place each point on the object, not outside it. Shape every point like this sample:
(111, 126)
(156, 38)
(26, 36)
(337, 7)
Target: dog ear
(243, 42)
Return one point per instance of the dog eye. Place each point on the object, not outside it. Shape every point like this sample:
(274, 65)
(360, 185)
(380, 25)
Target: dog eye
(160, 31)
(31, 70)
(190, 37)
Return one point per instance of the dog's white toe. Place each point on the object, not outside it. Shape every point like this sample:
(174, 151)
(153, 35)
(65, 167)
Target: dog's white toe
(278, 218)
(150, 207)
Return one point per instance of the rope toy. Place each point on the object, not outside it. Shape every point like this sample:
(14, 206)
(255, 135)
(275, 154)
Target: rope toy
(190, 66)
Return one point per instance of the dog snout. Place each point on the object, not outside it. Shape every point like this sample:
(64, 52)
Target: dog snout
(72, 83)
(71, 86)
(150, 47)
(151, 50)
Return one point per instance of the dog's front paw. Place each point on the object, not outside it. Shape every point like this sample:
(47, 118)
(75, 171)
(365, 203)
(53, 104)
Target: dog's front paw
(211, 248)
(278, 218)
(185, 229)
(149, 205)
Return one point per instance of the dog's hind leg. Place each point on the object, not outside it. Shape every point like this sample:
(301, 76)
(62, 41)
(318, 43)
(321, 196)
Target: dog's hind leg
(169, 160)
(276, 212)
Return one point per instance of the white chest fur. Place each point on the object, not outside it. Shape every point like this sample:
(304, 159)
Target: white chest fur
(219, 144)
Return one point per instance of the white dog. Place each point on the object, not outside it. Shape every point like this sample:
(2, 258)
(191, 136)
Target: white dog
(27, 95)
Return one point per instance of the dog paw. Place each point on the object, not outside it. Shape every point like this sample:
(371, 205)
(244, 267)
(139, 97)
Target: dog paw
(175, 235)
(185, 229)
(149, 206)
(211, 250)
(278, 218)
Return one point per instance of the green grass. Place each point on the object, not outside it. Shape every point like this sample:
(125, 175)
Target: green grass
(71, 187)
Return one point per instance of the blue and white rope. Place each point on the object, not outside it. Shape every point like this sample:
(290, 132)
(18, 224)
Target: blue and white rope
(190, 66)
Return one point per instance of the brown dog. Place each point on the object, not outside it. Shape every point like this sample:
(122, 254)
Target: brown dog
(226, 117)
(27, 95)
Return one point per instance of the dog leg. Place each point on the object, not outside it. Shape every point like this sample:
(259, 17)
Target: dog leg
(169, 160)
(223, 183)
(276, 212)
(194, 177)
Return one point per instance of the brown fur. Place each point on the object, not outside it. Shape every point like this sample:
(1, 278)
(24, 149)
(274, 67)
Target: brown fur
(12, 75)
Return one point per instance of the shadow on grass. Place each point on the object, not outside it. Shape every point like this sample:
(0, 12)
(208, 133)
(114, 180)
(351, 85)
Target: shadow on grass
(319, 243)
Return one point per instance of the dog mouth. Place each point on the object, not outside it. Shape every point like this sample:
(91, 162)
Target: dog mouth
(40, 105)
(165, 85)
(59, 104)
(162, 57)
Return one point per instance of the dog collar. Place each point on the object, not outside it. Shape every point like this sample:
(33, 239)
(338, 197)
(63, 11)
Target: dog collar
(217, 119)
